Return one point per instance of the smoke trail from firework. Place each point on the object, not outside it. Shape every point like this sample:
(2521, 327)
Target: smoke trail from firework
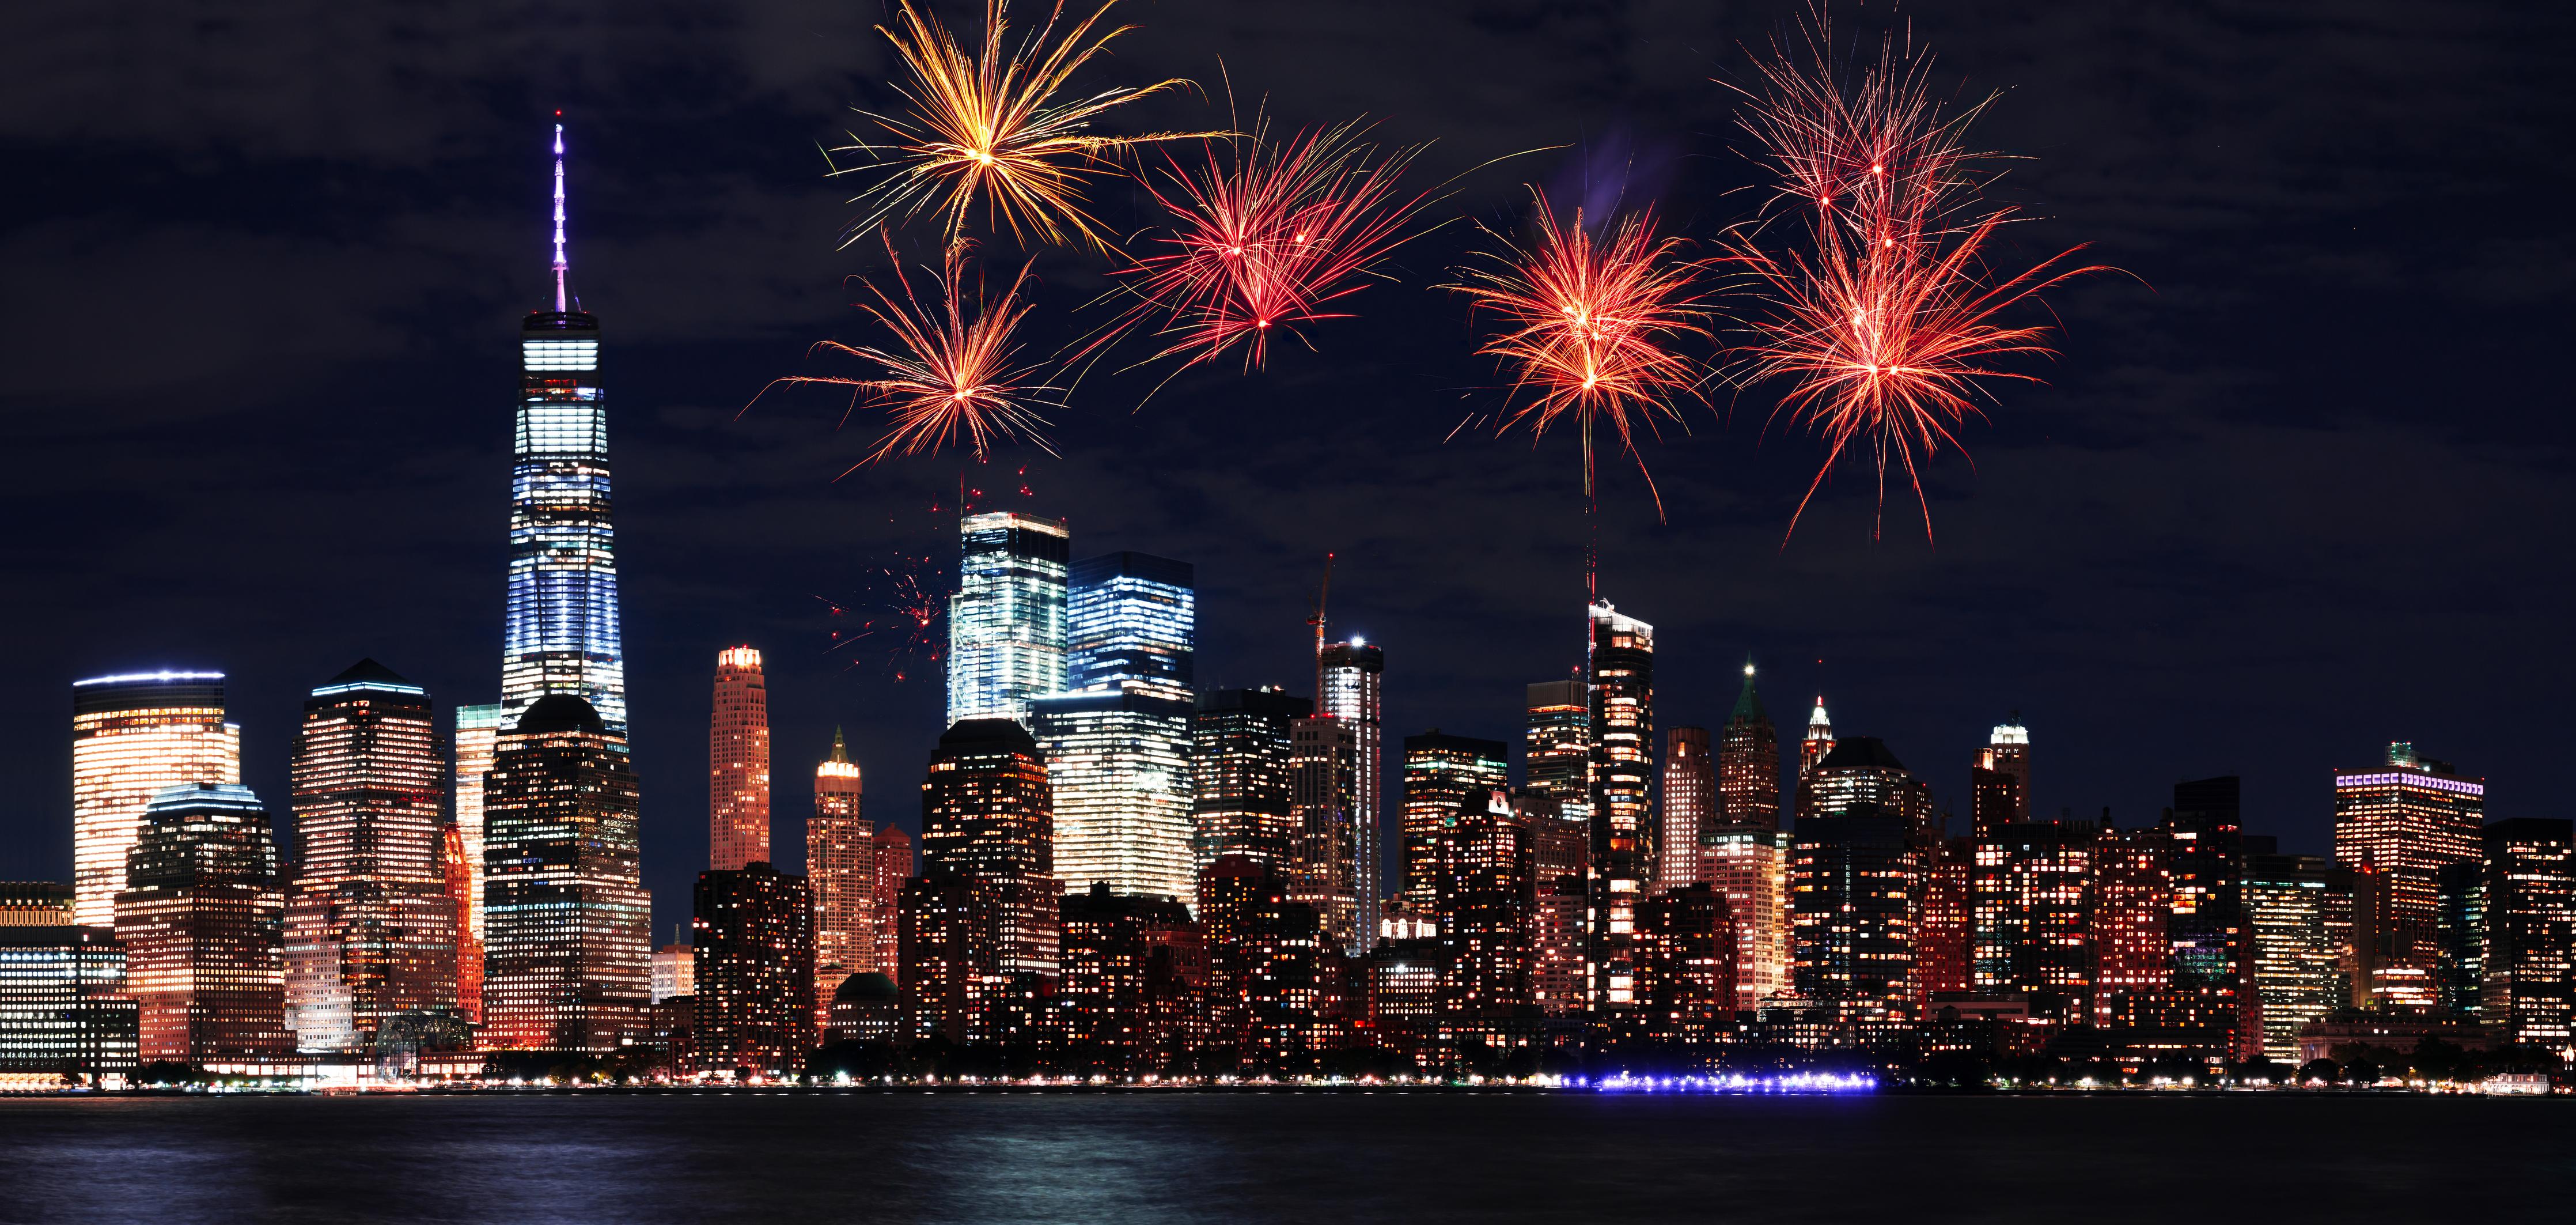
(947, 377)
(1264, 236)
(988, 128)
(1885, 322)
(1587, 327)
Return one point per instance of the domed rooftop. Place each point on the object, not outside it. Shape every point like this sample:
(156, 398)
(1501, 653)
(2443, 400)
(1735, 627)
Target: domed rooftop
(865, 989)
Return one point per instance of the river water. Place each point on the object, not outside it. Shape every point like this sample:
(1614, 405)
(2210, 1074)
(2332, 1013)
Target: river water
(1409, 1158)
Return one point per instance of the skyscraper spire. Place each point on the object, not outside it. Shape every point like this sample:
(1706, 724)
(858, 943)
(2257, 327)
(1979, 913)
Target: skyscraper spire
(562, 300)
(1748, 704)
(840, 747)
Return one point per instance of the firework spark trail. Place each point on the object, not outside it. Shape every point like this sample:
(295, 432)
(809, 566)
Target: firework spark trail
(1263, 236)
(1886, 324)
(988, 127)
(901, 611)
(948, 377)
(1587, 327)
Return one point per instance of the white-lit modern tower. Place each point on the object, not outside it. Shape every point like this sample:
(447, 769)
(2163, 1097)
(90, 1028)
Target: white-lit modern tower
(1117, 739)
(1006, 624)
(1350, 678)
(560, 624)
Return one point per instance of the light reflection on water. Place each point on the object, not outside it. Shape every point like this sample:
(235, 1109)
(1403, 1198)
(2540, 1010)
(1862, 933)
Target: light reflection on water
(1395, 1157)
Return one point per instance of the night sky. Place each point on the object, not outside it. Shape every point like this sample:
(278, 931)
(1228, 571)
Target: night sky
(2293, 492)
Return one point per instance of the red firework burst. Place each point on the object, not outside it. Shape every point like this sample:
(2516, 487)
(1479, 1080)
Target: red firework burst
(1587, 327)
(900, 611)
(1886, 320)
(1263, 237)
(948, 376)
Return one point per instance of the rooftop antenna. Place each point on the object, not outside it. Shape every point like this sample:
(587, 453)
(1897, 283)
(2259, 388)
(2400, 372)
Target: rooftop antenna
(561, 264)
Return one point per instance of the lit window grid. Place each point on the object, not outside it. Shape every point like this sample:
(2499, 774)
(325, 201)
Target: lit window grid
(120, 760)
(1354, 691)
(1006, 623)
(1687, 803)
(1240, 802)
(2295, 964)
(1121, 780)
(1113, 625)
(59, 1010)
(1441, 783)
(2408, 825)
(561, 625)
(738, 764)
(841, 869)
(1751, 867)
(202, 921)
(567, 959)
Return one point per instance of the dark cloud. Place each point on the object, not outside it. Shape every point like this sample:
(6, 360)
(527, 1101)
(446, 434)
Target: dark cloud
(2292, 496)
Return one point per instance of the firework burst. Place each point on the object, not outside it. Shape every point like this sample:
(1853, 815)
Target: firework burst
(1886, 321)
(1264, 236)
(1587, 327)
(900, 611)
(949, 377)
(988, 127)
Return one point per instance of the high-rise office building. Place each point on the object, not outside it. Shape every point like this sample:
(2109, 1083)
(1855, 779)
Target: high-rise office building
(1445, 778)
(133, 736)
(1350, 679)
(458, 883)
(2008, 753)
(370, 926)
(2405, 822)
(1117, 740)
(1241, 799)
(203, 921)
(987, 808)
(1945, 928)
(1323, 868)
(1853, 879)
(1621, 688)
(478, 728)
(675, 970)
(1748, 764)
(841, 868)
(754, 977)
(1557, 749)
(2528, 995)
(1484, 884)
(1127, 965)
(560, 634)
(1686, 973)
(2132, 912)
(738, 763)
(567, 948)
(987, 814)
(2032, 894)
(2295, 971)
(893, 867)
(1560, 855)
(64, 1011)
(1751, 867)
(1860, 771)
(1006, 623)
(2210, 933)
(1688, 807)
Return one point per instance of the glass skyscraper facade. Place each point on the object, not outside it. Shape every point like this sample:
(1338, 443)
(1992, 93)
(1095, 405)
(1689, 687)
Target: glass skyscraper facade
(1117, 742)
(566, 919)
(738, 763)
(370, 927)
(133, 736)
(1351, 683)
(1445, 778)
(1622, 698)
(2407, 821)
(1241, 795)
(203, 923)
(1558, 745)
(1006, 624)
(560, 629)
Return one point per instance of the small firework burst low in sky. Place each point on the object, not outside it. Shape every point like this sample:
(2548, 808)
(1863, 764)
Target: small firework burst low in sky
(988, 128)
(1589, 329)
(1263, 236)
(899, 614)
(949, 377)
(1883, 305)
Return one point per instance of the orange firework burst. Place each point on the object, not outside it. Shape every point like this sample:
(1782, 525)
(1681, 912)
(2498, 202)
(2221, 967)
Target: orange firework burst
(948, 377)
(1263, 237)
(987, 127)
(1587, 328)
(1887, 324)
